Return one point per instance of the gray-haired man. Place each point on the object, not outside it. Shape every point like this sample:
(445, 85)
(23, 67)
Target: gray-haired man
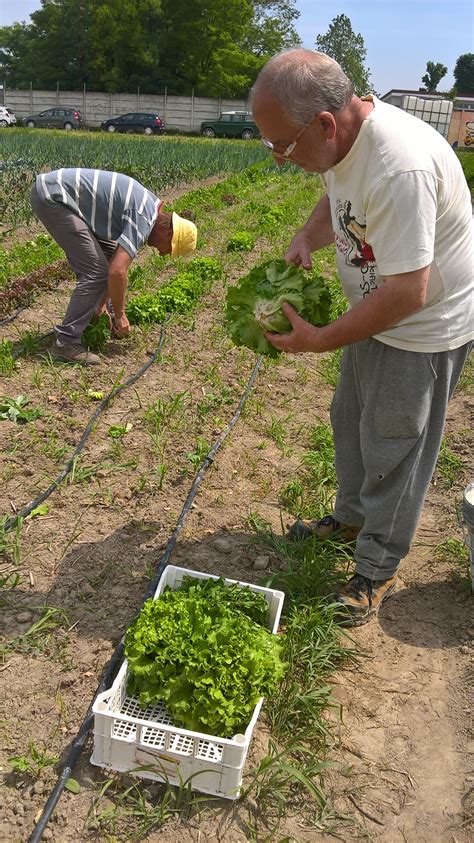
(101, 219)
(398, 209)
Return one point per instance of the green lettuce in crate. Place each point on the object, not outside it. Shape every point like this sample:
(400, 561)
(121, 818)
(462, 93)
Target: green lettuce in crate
(199, 651)
(254, 307)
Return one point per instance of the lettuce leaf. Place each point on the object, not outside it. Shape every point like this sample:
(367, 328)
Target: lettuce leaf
(254, 307)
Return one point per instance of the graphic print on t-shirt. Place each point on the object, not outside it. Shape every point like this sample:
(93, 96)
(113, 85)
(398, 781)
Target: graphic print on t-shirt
(352, 244)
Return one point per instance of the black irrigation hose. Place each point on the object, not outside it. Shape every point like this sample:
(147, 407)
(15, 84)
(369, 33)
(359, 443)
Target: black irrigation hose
(19, 351)
(10, 523)
(12, 316)
(110, 669)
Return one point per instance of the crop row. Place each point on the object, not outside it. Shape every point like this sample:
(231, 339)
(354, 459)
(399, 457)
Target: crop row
(159, 163)
(135, 467)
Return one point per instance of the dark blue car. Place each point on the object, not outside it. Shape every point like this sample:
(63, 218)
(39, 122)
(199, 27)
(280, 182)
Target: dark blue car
(135, 121)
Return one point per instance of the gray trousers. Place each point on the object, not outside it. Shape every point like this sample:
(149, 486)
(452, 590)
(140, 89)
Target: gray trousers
(388, 415)
(87, 257)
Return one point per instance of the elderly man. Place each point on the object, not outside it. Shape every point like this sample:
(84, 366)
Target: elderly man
(398, 208)
(101, 219)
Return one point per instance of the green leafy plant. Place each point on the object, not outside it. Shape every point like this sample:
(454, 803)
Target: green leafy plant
(212, 402)
(273, 216)
(118, 431)
(330, 367)
(25, 257)
(199, 454)
(97, 334)
(38, 638)
(33, 762)
(14, 409)
(10, 540)
(241, 241)
(311, 493)
(450, 467)
(163, 411)
(199, 652)
(455, 552)
(254, 307)
(179, 295)
(7, 361)
(145, 308)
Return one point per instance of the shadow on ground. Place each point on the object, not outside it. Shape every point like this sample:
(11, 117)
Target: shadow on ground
(435, 615)
(99, 585)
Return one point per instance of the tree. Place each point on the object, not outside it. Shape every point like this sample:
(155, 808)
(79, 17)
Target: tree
(109, 45)
(464, 74)
(272, 28)
(194, 38)
(216, 47)
(342, 44)
(434, 74)
(124, 47)
(53, 48)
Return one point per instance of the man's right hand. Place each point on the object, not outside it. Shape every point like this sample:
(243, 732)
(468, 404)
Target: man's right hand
(121, 327)
(299, 251)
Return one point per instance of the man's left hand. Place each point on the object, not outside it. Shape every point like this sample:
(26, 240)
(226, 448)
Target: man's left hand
(303, 336)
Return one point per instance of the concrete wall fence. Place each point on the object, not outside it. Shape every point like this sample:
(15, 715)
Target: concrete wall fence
(182, 113)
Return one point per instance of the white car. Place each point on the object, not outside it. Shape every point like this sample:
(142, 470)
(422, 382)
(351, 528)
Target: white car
(7, 118)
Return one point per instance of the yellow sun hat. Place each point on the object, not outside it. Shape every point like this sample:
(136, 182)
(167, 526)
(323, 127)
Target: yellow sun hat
(184, 236)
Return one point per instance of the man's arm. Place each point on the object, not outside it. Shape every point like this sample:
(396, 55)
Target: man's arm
(117, 285)
(315, 234)
(397, 297)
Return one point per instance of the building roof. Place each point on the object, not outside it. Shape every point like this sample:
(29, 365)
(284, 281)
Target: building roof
(418, 93)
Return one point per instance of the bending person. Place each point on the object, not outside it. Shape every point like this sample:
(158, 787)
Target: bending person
(101, 219)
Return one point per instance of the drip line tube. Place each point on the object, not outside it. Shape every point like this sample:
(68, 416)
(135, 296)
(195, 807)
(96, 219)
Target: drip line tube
(111, 668)
(10, 523)
(6, 319)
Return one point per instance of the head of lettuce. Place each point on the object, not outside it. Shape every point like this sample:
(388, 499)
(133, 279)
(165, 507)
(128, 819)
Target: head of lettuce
(254, 306)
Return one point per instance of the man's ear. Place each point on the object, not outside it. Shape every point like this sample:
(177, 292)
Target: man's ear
(327, 122)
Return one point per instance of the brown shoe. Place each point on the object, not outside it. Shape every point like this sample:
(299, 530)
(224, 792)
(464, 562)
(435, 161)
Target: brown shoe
(361, 598)
(71, 353)
(326, 526)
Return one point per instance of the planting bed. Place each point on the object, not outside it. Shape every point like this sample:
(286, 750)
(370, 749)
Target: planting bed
(75, 572)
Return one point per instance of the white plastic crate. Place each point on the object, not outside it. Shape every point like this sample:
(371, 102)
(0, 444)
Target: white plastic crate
(127, 737)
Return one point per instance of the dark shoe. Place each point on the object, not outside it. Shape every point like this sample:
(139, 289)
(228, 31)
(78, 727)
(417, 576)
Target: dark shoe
(326, 526)
(361, 599)
(70, 353)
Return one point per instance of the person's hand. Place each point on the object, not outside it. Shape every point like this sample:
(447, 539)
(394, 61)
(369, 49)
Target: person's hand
(299, 251)
(303, 336)
(121, 327)
(99, 311)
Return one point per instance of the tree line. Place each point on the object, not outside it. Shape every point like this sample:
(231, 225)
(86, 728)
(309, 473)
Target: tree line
(216, 47)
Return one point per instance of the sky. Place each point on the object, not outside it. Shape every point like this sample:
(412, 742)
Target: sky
(400, 37)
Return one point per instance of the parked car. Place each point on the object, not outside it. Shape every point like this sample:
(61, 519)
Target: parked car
(55, 118)
(235, 124)
(7, 118)
(135, 121)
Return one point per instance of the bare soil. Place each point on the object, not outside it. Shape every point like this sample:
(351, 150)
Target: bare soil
(401, 739)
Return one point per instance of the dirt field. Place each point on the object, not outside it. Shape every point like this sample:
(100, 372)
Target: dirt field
(399, 742)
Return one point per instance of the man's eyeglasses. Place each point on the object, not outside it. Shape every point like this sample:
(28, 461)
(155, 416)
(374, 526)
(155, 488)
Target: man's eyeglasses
(289, 149)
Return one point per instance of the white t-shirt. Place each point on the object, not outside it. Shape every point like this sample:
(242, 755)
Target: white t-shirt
(399, 201)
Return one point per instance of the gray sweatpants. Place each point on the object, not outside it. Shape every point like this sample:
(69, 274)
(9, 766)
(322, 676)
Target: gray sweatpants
(87, 257)
(388, 415)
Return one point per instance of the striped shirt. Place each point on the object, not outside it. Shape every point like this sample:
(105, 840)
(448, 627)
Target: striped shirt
(114, 206)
